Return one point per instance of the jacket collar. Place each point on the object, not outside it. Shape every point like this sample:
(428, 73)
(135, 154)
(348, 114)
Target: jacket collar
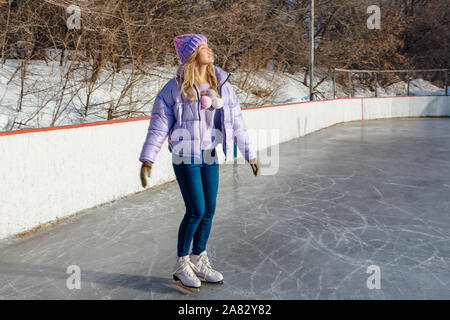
(222, 75)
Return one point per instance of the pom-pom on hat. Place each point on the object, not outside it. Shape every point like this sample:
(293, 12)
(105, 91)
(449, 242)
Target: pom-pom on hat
(186, 44)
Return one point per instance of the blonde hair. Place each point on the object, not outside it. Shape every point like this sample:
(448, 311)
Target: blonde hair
(189, 76)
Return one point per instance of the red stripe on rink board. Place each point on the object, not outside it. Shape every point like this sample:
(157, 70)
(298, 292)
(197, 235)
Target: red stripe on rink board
(98, 123)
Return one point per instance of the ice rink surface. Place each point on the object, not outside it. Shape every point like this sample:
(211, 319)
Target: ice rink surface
(346, 200)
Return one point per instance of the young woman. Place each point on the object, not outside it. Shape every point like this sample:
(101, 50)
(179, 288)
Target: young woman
(197, 109)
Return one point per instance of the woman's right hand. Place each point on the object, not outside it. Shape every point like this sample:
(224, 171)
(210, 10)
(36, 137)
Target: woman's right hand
(146, 170)
(254, 163)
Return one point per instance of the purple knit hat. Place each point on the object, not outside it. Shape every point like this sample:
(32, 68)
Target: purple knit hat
(186, 44)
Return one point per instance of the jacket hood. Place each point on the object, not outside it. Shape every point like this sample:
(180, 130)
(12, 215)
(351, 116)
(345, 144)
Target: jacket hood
(221, 74)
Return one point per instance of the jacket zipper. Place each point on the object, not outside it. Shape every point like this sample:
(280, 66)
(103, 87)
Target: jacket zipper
(198, 111)
(222, 117)
(200, 120)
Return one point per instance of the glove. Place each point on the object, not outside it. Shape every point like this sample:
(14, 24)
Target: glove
(146, 169)
(254, 163)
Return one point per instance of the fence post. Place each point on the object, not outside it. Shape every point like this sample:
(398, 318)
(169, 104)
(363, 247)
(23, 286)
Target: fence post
(408, 81)
(351, 85)
(334, 84)
(376, 84)
(311, 50)
(446, 82)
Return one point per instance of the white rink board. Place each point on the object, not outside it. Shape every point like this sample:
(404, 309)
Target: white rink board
(48, 175)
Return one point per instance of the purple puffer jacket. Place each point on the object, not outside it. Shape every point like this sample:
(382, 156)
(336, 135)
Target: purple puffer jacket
(171, 111)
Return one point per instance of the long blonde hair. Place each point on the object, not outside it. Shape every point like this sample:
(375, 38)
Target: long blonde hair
(189, 76)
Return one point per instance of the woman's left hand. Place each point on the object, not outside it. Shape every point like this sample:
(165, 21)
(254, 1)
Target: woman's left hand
(254, 163)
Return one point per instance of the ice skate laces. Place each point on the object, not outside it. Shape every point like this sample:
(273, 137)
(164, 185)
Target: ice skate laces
(188, 266)
(205, 262)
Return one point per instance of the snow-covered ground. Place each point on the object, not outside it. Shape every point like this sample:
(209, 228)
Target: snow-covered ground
(45, 84)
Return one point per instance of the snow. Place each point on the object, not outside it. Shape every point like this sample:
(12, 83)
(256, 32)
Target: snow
(42, 106)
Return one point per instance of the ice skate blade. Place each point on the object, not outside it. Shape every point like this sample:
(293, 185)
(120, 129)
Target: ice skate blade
(210, 282)
(181, 287)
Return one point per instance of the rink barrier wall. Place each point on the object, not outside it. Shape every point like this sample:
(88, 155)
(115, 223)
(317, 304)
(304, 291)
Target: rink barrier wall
(50, 174)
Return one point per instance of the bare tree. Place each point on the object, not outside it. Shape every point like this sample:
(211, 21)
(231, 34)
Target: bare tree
(131, 37)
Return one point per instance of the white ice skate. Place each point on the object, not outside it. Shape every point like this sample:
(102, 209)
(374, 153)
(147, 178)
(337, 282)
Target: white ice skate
(203, 269)
(184, 276)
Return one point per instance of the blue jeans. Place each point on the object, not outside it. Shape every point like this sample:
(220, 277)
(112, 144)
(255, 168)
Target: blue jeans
(198, 180)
